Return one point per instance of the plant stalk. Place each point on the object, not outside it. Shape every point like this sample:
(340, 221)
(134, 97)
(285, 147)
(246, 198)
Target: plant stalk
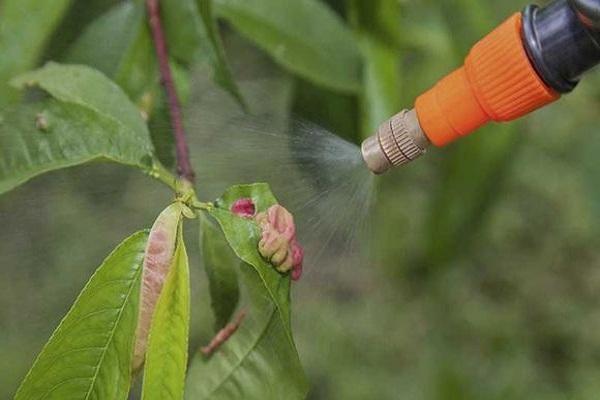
(184, 166)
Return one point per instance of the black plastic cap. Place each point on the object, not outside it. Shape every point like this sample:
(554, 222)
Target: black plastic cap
(588, 11)
(561, 40)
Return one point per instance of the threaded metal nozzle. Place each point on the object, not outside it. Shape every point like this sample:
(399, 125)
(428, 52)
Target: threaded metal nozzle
(398, 141)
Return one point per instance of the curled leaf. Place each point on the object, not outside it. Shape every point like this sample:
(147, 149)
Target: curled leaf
(166, 357)
(278, 242)
(157, 261)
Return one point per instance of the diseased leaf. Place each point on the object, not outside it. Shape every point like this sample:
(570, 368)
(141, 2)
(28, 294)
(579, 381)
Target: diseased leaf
(260, 193)
(305, 36)
(89, 354)
(259, 361)
(25, 26)
(220, 264)
(243, 236)
(157, 263)
(166, 358)
(87, 87)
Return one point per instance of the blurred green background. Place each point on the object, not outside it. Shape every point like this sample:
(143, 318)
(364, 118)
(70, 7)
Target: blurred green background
(480, 279)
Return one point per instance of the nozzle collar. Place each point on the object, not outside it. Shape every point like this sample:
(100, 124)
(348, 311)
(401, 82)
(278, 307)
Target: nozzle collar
(398, 141)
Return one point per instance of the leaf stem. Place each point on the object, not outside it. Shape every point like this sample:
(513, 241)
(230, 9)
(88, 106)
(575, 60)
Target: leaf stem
(184, 166)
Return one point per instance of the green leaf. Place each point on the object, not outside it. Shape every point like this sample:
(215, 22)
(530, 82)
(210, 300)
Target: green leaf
(220, 264)
(87, 87)
(25, 27)
(183, 29)
(74, 135)
(305, 36)
(377, 27)
(260, 360)
(166, 357)
(192, 35)
(89, 354)
(381, 94)
(108, 38)
(118, 44)
(472, 178)
(48, 135)
(212, 47)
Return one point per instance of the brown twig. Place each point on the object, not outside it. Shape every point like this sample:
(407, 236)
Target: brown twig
(223, 335)
(184, 166)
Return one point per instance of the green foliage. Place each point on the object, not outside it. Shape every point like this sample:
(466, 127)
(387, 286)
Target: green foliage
(325, 53)
(465, 192)
(25, 28)
(35, 136)
(212, 48)
(352, 63)
(118, 44)
(90, 89)
(220, 264)
(376, 27)
(192, 35)
(166, 356)
(89, 354)
(117, 31)
(260, 361)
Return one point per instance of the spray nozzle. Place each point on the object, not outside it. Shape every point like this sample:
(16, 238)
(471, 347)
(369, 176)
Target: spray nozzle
(398, 141)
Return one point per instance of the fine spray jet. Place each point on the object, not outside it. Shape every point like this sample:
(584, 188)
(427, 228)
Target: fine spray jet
(527, 62)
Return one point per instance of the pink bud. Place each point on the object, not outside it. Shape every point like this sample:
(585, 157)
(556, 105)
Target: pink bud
(244, 208)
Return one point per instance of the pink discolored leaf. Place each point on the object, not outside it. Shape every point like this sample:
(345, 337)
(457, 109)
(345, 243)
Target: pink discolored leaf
(278, 242)
(157, 260)
(244, 208)
(223, 335)
(297, 259)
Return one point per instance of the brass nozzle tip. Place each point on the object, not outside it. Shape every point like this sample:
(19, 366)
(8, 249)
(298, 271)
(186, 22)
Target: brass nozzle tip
(398, 141)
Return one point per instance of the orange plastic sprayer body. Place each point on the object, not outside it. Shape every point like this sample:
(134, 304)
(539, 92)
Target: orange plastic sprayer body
(522, 65)
(496, 83)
